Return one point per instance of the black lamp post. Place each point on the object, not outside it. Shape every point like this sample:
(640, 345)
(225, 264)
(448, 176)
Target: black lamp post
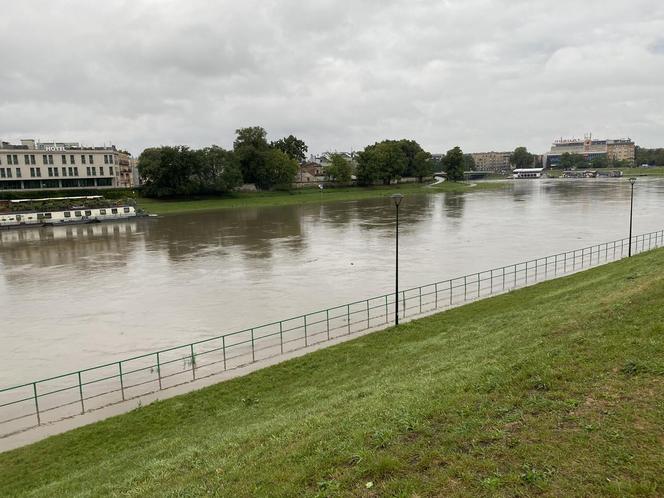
(397, 198)
(631, 209)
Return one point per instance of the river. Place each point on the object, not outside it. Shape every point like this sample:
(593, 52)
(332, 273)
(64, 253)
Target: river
(74, 297)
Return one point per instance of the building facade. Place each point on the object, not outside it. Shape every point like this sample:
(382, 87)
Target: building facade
(59, 166)
(492, 161)
(622, 149)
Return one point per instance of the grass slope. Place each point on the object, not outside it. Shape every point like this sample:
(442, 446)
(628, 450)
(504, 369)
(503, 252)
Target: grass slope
(555, 390)
(302, 196)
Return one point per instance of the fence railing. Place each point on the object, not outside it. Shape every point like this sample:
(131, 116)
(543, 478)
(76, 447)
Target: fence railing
(52, 399)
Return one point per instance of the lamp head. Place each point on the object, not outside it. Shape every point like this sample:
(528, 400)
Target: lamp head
(632, 180)
(397, 199)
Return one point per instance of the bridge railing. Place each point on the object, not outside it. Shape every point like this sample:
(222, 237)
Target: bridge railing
(48, 400)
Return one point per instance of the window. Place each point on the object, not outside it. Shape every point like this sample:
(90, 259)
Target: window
(82, 159)
(76, 171)
(77, 213)
(18, 172)
(110, 170)
(67, 214)
(38, 172)
(50, 171)
(71, 159)
(26, 159)
(71, 171)
(15, 159)
(64, 159)
(88, 213)
(94, 171)
(105, 158)
(64, 171)
(114, 211)
(50, 159)
(48, 216)
(44, 159)
(90, 157)
(101, 171)
(126, 210)
(2, 172)
(9, 172)
(32, 172)
(87, 170)
(55, 171)
(9, 159)
(102, 211)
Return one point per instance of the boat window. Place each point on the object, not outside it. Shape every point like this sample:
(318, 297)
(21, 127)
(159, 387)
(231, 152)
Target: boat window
(48, 216)
(67, 214)
(114, 211)
(77, 213)
(126, 210)
(102, 211)
(88, 213)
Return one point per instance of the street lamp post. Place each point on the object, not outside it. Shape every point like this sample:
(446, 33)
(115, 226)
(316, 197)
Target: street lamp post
(631, 209)
(397, 198)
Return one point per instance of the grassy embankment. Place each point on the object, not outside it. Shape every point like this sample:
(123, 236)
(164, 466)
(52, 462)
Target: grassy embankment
(627, 172)
(556, 389)
(303, 196)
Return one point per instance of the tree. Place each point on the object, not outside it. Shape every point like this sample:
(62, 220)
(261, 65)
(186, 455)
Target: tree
(384, 161)
(167, 171)
(250, 146)
(570, 161)
(278, 170)
(599, 162)
(453, 162)
(294, 147)
(340, 170)
(422, 165)
(219, 170)
(468, 162)
(521, 158)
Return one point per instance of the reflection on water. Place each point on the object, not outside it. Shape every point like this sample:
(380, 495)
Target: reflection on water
(76, 296)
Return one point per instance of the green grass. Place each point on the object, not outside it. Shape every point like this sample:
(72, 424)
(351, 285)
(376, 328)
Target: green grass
(302, 196)
(627, 172)
(554, 390)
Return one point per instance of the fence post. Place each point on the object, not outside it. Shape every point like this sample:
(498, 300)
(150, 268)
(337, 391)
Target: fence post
(368, 316)
(403, 303)
(386, 310)
(253, 351)
(536, 265)
(327, 321)
(555, 265)
(526, 272)
(223, 349)
(436, 294)
(450, 292)
(515, 276)
(478, 285)
(503, 278)
(80, 391)
(348, 317)
(121, 381)
(491, 292)
(420, 289)
(465, 288)
(193, 361)
(281, 336)
(34, 391)
(159, 370)
(565, 264)
(306, 340)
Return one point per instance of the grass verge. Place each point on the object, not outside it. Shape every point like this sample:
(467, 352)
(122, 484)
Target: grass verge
(303, 196)
(556, 389)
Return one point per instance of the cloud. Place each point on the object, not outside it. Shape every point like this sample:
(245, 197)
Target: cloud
(484, 74)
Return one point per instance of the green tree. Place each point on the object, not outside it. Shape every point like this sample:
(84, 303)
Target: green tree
(278, 170)
(521, 158)
(167, 171)
(599, 162)
(291, 145)
(422, 165)
(340, 170)
(218, 170)
(250, 146)
(469, 163)
(453, 162)
(384, 161)
(569, 161)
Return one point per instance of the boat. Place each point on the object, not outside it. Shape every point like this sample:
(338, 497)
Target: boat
(57, 211)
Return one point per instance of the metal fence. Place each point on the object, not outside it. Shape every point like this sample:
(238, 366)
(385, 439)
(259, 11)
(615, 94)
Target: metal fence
(48, 400)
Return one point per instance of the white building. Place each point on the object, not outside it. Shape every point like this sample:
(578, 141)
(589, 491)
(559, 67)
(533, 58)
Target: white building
(57, 165)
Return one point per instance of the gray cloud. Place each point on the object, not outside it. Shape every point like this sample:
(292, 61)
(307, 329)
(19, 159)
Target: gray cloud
(484, 74)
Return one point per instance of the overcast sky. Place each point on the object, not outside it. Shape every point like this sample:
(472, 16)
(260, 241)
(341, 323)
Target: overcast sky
(482, 74)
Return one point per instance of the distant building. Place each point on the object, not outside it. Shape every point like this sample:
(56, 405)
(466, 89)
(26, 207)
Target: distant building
(63, 165)
(622, 149)
(492, 161)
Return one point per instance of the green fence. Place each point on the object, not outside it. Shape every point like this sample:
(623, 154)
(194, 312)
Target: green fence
(48, 400)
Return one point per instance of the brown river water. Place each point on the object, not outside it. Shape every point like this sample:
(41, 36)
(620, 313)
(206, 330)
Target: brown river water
(75, 297)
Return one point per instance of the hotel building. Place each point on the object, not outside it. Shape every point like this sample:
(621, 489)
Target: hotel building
(614, 150)
(55, 165)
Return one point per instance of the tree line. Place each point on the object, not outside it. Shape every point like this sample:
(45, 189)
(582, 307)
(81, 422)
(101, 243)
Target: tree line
(180, 171)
